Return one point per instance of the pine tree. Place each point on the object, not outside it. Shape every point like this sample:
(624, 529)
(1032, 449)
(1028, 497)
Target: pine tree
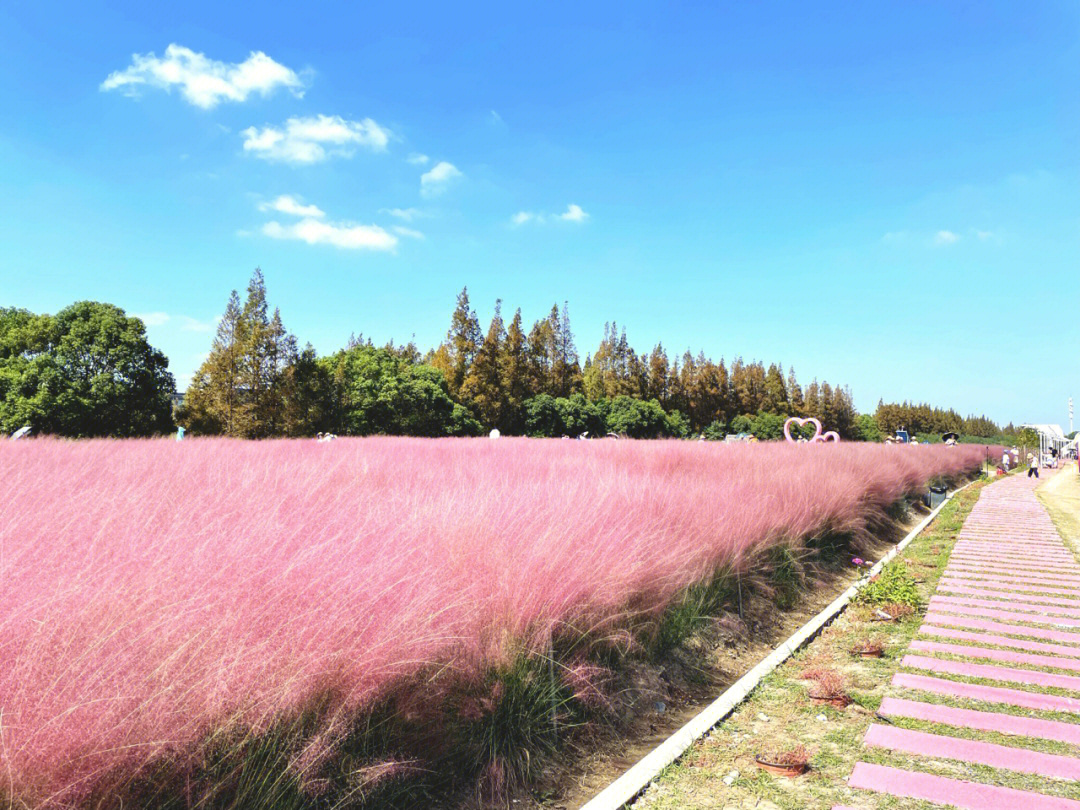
(796, 406)
(462, 343)
(812, 405)
(481, 389)
(776, 395)
(658, 370)
(214, 403)
(238, 390)
(514, 374)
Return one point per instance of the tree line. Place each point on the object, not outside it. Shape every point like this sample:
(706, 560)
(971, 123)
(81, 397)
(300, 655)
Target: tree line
(89, 371)
(256, 382)
(924, 420)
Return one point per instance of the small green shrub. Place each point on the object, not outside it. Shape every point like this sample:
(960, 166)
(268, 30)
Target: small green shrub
(785, 576)
(894, 585)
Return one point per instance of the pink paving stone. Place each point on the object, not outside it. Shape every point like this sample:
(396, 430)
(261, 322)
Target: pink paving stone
(1024, 562)
(1024, 554)
(982, 721)
(1029, 557)
(1007, 615)
(1012, 575)
(990, 671)
(1000, 641)
(962, 794)
(1049, 569)
(1008, 569)
(1007, 656)
(1010, 604)
(1013, 550)
(975, 751)
(1033, 598)
(988, 694)
(1000, 627)
(1050, 566)
(1022, 577)
(1008, 585)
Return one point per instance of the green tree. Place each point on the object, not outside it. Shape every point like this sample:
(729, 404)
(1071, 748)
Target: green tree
(87, 371)
(482, 389)
(866, 428)
(241, 388)
(514, 377)
(377, 392)
(766, 425)
(454, 357)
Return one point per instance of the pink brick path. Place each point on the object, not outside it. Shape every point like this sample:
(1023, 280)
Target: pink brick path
(1002, 631)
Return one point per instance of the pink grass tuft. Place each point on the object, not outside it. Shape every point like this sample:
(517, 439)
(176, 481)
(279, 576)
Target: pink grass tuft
(155, 591)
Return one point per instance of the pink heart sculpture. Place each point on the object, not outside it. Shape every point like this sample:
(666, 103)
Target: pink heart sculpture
(800, 422)
(831, 436)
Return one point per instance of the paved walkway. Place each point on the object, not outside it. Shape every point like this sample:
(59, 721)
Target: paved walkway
(995, 670)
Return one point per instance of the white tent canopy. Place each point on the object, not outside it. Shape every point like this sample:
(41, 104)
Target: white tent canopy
(1050, 436)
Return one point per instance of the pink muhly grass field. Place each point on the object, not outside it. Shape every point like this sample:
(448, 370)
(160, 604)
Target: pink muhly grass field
(154, 591)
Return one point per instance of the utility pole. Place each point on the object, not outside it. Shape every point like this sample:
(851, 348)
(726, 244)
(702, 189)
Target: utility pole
(1070, 415)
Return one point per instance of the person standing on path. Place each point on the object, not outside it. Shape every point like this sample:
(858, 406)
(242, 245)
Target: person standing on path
(1033, 467)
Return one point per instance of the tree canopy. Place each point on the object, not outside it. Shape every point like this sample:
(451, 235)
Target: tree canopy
(86, 371)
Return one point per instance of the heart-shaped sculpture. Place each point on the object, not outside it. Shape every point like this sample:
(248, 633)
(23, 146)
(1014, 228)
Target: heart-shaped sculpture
(831, 436)
(800, 422)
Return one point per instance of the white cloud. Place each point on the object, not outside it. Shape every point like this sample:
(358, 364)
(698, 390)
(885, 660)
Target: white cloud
(195, 325)
(152, 318)
(311, 140)
(186, 323)
(343, 235)
(438, 179)
(984, 235)
(204, 82)
(946, 238)
(287, 204)
(417, 159)
(407, 214)
(409, 232)
(574, 214)
(497, 119)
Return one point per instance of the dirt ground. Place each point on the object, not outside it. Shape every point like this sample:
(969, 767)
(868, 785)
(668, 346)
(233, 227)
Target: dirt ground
(1060, 494)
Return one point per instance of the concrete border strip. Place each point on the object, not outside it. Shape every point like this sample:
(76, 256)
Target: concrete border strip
(624, 789)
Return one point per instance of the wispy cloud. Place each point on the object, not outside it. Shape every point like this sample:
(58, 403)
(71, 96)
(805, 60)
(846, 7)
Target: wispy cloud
(407, 232)
(406, 214)
(185, 322)
(312, 140)
(152, 318)
(982, 236)
(287, 204)
(573, 213)
(946, 238)
(439, 178)
(203, 82)
(313, 229)
(349, 236)
(417, 159)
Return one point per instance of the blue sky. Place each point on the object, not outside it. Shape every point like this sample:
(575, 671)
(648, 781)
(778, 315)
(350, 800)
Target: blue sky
(881, 194)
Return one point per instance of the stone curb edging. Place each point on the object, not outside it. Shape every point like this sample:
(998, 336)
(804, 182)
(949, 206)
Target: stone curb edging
(634, 781)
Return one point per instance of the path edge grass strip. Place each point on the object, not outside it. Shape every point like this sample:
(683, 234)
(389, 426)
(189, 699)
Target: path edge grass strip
(627, 787)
